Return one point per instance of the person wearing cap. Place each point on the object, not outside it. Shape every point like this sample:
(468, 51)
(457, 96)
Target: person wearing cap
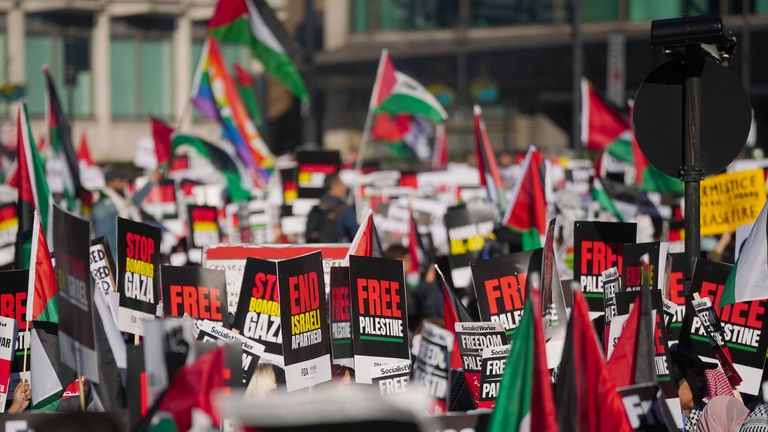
(114, 203)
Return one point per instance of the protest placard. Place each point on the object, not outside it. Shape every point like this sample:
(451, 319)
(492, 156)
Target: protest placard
(258, 310)
(598, 246)
(432, 364)
(288, 183)
(161, 201)
(743, 325)
(9, 226)
(209, 331)
(341, 319)
(379, 313)
(8, 331)
(474, 337)
(13, 304)
(168, 346)
(494, 359)
(642, 403)
(138, 274)
(467, 227)
(77, 343)
(194, 291)
(203, 226)
(304, 320)
(676, 294)
(103, 273)
(391, 378)
(312, 169)
(501, 284)
(656, 254)
(731, 200)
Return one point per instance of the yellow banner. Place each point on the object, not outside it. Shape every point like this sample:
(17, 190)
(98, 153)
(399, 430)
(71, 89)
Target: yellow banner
(731, 200)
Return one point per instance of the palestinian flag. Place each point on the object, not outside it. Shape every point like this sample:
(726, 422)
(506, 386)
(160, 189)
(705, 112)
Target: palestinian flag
(240, 21)
(490, 179)
(396, 93)
(244, 85)
(161, 135)
(625, 202)
(366, 241)
(84, 153)
(47, 373)
(454, 311)
(220, 159)
(746, 281)
(440, 151)
(585, 395)
(60, 139)
(604, 198)
(42, 296)
(33, 191)
(632, 361)
(527, 212)
(215, 96)
(525, 401)
(601, 122)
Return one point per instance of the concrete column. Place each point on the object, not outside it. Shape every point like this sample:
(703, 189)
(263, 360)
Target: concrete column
(16, 40)
(182, 69)
(102, 85)
(336, 23)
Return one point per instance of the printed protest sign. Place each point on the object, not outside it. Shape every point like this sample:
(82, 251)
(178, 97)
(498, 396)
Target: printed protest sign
(313, 167)
(341, 319)
(13, 304)
(642, 403)
(494, 360)
(209, 331)
(468, 227)
(598, 246)
(9, 226)
(194, 291)
(731, 200)
(203, 226)
(501, 284)
(77, 343)
(288, 182)
(304, 320)
(611, 286)
(379, 313)
(103, 273)
(430, 370)
(474, 337)
(676, 294)
(391, 378)
(7, 343)
(255, 222)
(743, 325)
(706, 315)
(161, 201)
(632, 264)
(138, 274)
(168, 346)
(231, 259)
(258, 310)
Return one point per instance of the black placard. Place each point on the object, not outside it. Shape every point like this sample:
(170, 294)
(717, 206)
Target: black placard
(676, 294)
(138, 274)
(501, 285)
(77, 345)
(632, 266)
(341, 319)
(313, 167)
(204, 227)
(379, 313)
(744, 325)
(494, 362)
(467, 229)
(473, 337)
(598, 246)
(304, 320)
(195, 291)
(258, 308)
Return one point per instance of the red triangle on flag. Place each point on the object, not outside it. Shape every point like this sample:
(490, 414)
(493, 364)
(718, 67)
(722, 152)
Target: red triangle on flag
(601, 123)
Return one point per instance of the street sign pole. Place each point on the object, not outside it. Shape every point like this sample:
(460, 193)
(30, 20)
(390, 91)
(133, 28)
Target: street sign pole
(692, 172)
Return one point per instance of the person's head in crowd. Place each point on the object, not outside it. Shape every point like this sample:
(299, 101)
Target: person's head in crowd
(722, 413)
(116, 178)
(506, 159)
(333, 186)
(688, 369)
(399, 252)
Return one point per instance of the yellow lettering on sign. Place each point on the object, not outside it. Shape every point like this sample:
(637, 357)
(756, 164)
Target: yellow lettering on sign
(731, 200)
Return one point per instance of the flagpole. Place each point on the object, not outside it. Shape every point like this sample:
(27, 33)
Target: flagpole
(364, 140)
(26, 351)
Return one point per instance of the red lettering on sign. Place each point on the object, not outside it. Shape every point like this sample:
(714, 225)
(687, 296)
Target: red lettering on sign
(676, 288)
(597, 256)
(197, 302)
(340, 298)
(379, 297)
(14, 306)
(264, 286)
(304, 293)
(509, 289)
(139, 247)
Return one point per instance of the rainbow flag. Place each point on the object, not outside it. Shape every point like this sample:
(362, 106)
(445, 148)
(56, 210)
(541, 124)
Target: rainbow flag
(216, 97)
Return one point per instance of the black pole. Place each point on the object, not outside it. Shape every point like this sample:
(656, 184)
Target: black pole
(692, 172)
(745, 46)
(311, 139)
(578, 72)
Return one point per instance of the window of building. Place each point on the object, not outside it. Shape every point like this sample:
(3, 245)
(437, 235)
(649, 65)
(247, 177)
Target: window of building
(600, 10)
(59, 53)
(141, 60)
(397, 15)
